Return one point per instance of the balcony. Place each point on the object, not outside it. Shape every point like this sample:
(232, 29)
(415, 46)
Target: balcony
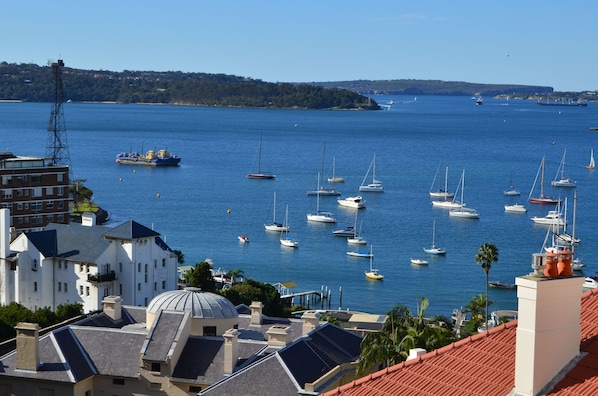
(97, 277)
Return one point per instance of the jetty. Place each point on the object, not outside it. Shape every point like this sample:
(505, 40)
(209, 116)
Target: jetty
(305, 298)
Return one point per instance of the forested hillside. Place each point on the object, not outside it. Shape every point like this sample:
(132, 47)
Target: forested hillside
(30, 82)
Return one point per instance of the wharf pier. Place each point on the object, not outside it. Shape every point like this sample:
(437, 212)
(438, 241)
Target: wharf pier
(308, 298)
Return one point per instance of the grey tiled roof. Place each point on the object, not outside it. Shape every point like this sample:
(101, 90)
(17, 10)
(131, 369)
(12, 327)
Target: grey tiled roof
(162, 336)
(130, 230)
(78, 242)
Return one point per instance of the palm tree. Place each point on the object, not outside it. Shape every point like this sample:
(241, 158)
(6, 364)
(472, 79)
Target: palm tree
(401, 332)
(486, 255)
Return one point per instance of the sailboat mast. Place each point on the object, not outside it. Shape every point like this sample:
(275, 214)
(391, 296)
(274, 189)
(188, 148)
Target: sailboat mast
(542, 180)
(274, 217)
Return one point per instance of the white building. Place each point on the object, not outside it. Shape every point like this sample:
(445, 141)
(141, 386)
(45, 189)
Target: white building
(83, 263)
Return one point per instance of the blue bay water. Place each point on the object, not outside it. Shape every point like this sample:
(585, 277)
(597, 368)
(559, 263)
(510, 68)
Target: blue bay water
(189, 205)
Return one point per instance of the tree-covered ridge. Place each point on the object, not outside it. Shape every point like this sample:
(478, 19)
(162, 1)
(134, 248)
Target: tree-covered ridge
(30, 82)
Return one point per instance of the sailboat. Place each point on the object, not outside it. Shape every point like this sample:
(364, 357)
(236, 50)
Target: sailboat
(356, 238)
(334, 178)
(373, 274)
(463, 212)
(511, 190)
(375, 185)
(441, 193)
(449, 202)
(285, 239)
(274, 226)
(259, 174)
(563, 181)
(434, 249)
(320, 216)
(591, 165)
(541, 199)
(320, 189)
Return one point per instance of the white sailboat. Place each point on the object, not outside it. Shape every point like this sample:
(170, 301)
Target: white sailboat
(434, 249)
(274, 226)
(320, 189)
(320, 216)
(511, 191)
(591, 165)
(441, 193)
(259, 174)
(541, 199)
(285, 239)
(356, 238)
(563, 181)
(463, 212)
(373, 273)
(375, 185)
(449, 202)
(334, 178)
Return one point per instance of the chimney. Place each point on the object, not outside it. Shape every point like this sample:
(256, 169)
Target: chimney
(256, 313)
(279, 335)
(231, 350)
(112, 306)
(88, 219)
(311, 321)
(548, 331)
(4, 233)
(414, 353)
(27, 346)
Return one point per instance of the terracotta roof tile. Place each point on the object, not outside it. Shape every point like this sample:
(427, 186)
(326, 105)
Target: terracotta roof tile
(483, 364)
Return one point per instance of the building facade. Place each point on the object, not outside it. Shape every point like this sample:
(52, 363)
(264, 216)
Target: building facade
(83, 263)
(34, 190)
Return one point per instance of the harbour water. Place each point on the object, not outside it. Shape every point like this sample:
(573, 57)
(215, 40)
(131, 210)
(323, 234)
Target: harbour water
(202, 206)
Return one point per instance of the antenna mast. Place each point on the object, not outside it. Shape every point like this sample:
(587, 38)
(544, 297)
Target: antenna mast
(57, 148)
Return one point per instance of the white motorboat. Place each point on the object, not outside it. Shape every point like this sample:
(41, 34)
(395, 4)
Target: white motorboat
(347, 232)
(357, 240)
(274, 226)
(415, 261)
(463, 212)
(434, 249)
(356, 202)
(375, 185)
(590, 282)
(563, 181)
(552, 218)
(516, 208)
(243, 238)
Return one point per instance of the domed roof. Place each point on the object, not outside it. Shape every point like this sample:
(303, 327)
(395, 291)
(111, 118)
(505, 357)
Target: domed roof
(200, 304)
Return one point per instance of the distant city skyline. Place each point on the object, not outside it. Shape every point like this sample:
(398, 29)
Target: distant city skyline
(546, 43)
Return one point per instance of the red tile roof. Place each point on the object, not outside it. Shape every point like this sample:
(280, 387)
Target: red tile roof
(483, 364)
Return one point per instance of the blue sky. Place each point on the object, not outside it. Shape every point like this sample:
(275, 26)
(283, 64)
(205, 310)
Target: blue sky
(549, 43)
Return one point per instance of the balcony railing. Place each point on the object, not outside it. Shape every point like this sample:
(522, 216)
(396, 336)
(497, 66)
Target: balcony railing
(97, 277)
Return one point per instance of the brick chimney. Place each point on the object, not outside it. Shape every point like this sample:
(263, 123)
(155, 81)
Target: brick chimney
(231, 350)
(112, 306)
(27, 346)
(311, 321)
(548, 330)
(256, 313)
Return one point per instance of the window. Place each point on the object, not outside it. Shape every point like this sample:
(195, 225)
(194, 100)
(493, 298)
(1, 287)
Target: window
(50, 204)
(34, 265)
(194, 389)
(36, 179)
(60, 191)
(145, 276)
(59, 286)
(37, 192)
(155, 263)
(60, 218)
(49, 191)
(87, 268)
(6, 194)
(36, 206)
(87, 291)
(155, 286)
(163, 284)
(34, 286)
(155, 367)
(81, 267)
(120, 289)
(146, 268)
(59, 263)
(120, 267)
(209, 331)
(66, 287)
(138, 267)
(81, 290)
(60, 205)
(60, 177)
(118, 381)
(36, 219)
(139, 286)
(163, 262)
(20, 206)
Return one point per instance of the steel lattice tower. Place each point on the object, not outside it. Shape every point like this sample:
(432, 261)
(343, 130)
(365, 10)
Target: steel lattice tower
(57, 148)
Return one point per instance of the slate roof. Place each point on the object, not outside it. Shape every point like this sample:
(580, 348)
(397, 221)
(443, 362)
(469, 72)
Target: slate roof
(483, 364)
(45, 241)
(76, 241)
(285, 372)
(129, 230)
(162, 336)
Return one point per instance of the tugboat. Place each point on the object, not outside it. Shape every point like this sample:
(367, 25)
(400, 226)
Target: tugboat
(151, 158)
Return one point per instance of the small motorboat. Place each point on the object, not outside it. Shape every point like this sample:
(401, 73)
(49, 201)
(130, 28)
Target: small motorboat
(415, 261)
(243, 238)
(516, 208)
